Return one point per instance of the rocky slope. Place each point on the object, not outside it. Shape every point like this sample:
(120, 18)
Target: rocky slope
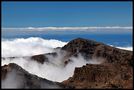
(13, 76)
(101, 76)
(116, 70)
(92, 49)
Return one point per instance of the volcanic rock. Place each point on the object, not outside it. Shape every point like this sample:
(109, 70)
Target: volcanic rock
(101, 76)
(115, 72)
(92, 49)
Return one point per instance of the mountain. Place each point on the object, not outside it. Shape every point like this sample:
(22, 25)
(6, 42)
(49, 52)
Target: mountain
(116, 70)
(91, 49)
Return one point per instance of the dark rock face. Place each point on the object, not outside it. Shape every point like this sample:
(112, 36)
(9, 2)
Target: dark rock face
(83, 46)
(19, 78)
(92, 49)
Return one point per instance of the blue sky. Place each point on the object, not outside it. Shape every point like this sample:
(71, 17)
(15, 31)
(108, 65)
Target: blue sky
(40, 14)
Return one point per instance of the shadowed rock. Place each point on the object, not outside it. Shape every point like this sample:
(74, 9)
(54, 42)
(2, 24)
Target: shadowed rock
(13, 76)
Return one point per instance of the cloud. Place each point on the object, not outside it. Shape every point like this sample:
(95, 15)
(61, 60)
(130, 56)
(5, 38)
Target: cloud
(12, 80)
(126, 48)
(105, 28)
(130, 48)
(55, 69)
(77, 28)
(29, 46)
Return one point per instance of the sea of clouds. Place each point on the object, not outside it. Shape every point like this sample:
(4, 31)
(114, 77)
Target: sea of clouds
(29, 46)
(98, 29)
(72, 28)
(55, 69)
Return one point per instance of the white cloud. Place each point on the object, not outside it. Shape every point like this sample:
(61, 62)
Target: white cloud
(126, 48)
(130, 48)
(54, 69)
(29, 46)
(70, 28)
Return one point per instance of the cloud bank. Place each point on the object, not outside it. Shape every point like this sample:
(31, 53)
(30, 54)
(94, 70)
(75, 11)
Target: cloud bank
(126, 48)
(89, 29)
(29, 46)
(72, 28)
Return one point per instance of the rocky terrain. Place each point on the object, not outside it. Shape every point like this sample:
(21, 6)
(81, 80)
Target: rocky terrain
(93, 49)
(116, 70)
(101, 76)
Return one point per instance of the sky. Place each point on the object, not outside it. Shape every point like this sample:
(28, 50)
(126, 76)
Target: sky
(66, 14)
